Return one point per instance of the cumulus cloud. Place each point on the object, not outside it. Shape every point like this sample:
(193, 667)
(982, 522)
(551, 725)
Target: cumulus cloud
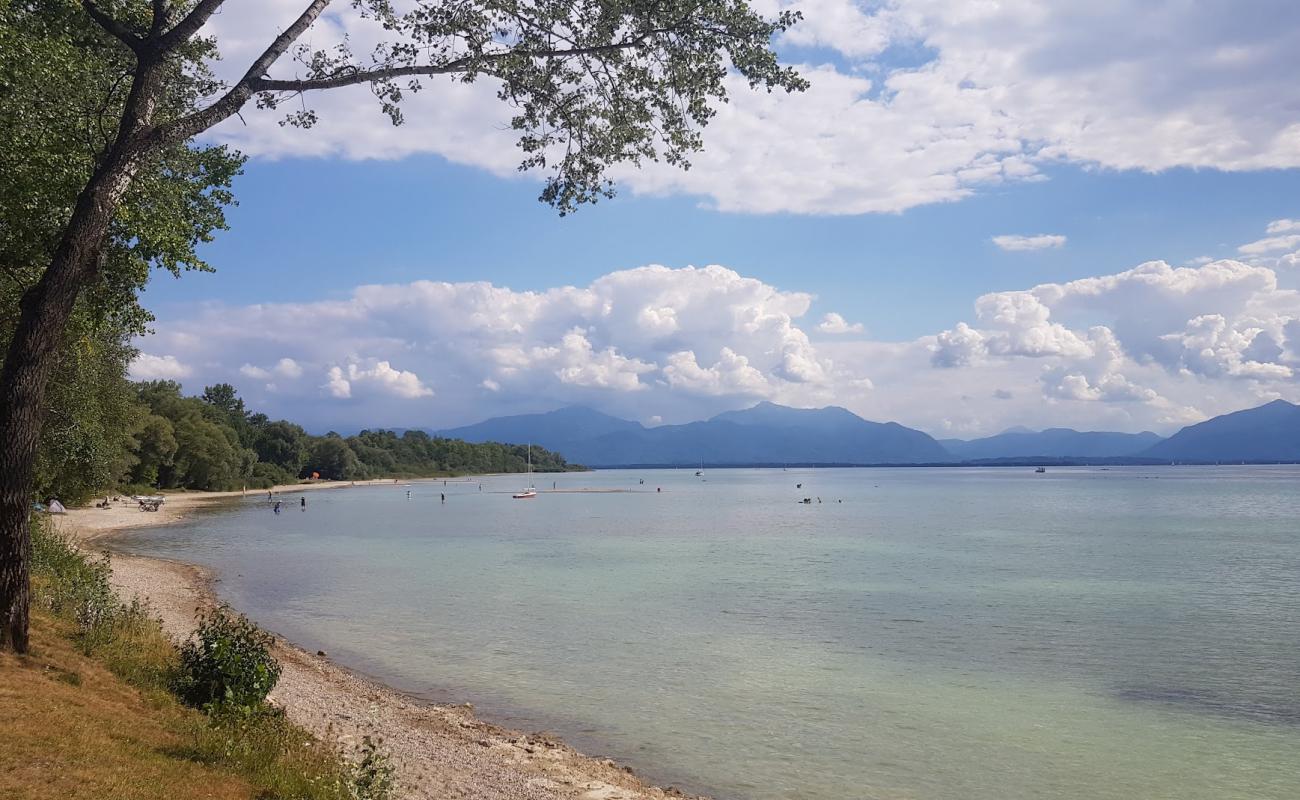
(1001, 90)
(707, 333)
(1151, 346)
(1041, 241)
(147, 367)
(1271, 244)
(836, 324)
(381, 378)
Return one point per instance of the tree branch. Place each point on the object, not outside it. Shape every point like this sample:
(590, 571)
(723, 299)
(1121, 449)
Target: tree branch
(117, 29)
(160, 13)
(459, 65)
(254, 81)
(189, 26)
(233, 100)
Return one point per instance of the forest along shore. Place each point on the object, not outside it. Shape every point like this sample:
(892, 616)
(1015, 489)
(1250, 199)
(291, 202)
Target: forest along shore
(439, 751)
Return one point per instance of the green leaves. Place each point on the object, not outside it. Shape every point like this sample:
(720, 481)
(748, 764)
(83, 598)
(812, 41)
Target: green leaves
(594, 83)
(63, 83)
(227, 665)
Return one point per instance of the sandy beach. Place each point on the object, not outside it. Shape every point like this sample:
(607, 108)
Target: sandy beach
(439, 751)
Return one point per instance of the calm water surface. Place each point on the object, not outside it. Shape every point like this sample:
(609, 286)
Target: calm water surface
(953, 634)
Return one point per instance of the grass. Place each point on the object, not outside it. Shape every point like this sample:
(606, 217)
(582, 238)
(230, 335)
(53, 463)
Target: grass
(88, 713)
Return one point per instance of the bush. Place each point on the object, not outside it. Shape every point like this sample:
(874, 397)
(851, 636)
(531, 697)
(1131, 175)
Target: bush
(227, 665)
(265, 475)
(372, 777)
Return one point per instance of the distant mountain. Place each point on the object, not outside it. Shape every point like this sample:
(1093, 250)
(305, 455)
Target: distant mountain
(1052, 443)
(1270, 432)
(563, 430)
(765, 434)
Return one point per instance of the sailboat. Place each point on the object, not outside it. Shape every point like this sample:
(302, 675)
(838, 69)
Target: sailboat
(531, 491)
(699, 473)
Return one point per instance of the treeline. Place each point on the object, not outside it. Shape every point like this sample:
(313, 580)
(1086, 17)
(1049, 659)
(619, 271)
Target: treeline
(212, 442)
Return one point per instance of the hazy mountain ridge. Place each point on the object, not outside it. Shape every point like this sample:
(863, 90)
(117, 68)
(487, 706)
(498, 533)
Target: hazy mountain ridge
(1052, 443)
(766, 433)
(1270, 432)
(772, 434)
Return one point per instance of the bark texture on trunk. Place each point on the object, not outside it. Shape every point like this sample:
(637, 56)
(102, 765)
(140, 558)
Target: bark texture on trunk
(33, 351)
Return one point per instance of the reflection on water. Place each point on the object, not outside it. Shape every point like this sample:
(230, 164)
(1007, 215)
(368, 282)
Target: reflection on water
(918, 633)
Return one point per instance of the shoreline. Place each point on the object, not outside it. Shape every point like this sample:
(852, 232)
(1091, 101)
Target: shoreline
(439, 751)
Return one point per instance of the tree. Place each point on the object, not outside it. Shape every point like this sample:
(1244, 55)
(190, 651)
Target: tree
(334, 460)
(154, 447)
(283, 444)
(593, 83)
(63, 82)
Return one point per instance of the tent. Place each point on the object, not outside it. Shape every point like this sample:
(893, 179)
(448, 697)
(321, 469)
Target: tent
(57, 508)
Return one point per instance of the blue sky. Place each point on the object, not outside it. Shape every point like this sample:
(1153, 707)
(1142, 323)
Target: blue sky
(409, 277)
(315, 228)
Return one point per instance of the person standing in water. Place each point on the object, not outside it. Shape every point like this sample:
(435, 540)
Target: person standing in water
(304, 503)
(444, 498)
(277, 506)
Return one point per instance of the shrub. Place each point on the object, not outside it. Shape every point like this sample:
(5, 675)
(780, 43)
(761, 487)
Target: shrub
(227, 665)
(372, 777)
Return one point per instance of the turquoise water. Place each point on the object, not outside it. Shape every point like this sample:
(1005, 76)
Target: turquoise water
(954, 634)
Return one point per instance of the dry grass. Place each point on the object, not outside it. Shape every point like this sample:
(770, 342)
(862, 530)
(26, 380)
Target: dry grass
(72, 729)
(88, 713)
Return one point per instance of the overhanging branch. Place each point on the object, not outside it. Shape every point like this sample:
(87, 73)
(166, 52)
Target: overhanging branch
(355, 77)
(108, 23)
(188, 26)
(233, 100)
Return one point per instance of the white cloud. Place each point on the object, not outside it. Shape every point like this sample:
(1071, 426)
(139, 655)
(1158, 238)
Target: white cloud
(1148, 347)
(148, 367)
(1041, 241)
(1003, 90)
(337, 385)
(1278, 226)
(835, 324)
(681, 336)
(1270, 245)
(380, 377)
(288, 368)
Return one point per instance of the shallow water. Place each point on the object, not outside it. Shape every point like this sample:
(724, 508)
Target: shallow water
(948, 634)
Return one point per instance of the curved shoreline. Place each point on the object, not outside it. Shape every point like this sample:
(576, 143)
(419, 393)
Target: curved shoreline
(440, 751)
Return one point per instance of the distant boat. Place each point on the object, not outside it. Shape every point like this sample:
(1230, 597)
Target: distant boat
(699, 473)
(1041, 470)
(531, 491)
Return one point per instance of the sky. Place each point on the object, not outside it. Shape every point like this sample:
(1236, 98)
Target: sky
(980, 215)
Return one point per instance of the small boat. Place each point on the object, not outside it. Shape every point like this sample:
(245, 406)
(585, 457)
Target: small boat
(531, 491)
(699, 473)
(1041, 470)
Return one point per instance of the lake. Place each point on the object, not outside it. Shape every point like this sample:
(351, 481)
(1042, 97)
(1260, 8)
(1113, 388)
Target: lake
(940, 634)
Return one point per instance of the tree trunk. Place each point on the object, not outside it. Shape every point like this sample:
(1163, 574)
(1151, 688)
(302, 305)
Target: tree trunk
(45, 309)
(32, 353)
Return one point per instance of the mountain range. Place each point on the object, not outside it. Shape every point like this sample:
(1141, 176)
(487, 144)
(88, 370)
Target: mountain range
(1052, 443)
(773, 434)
